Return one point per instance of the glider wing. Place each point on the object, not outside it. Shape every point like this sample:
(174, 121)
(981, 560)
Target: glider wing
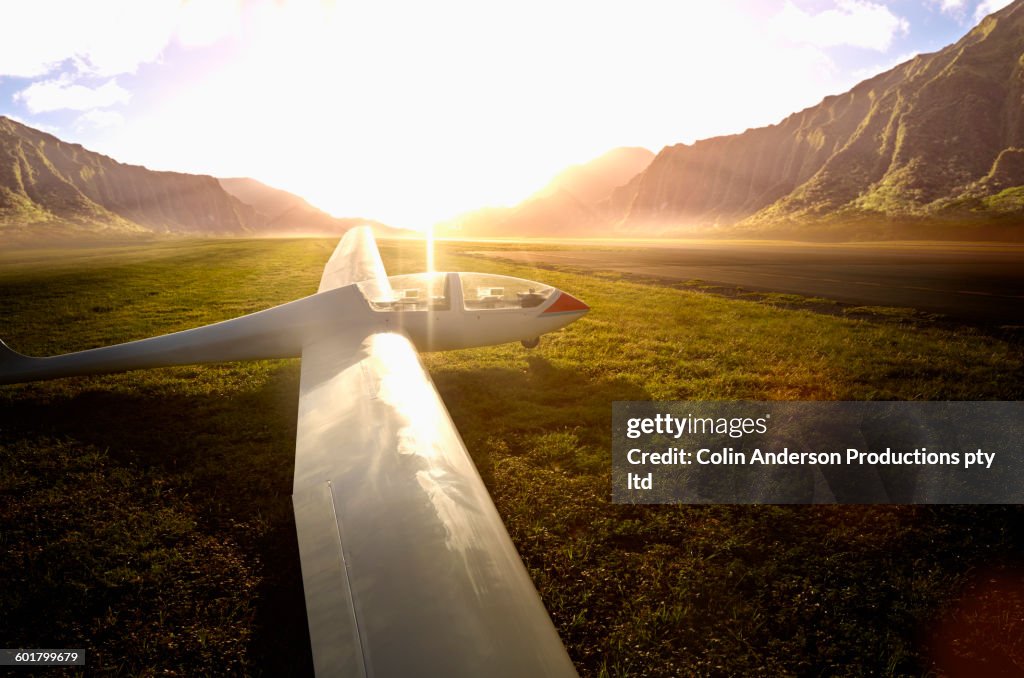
(354, 260)
(406, 565)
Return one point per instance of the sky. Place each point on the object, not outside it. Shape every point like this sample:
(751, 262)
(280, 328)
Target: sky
(413, 112)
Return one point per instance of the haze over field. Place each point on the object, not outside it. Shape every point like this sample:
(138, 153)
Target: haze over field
(467, 117)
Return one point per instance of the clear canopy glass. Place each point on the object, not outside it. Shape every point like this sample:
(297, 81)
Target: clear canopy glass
(430, 292)
(485, 291)
(415, 292)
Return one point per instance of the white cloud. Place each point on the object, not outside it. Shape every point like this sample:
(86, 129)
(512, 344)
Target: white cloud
(101, 37)
(955, 7)
(851, 22)
(97, 119)
(62, 93)
(986, 7)
(961, 11)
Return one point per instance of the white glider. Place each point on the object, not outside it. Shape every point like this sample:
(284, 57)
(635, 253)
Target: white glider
(406, 565)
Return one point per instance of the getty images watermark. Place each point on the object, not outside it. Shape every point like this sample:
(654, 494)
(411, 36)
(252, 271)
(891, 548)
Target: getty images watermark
(749, 452)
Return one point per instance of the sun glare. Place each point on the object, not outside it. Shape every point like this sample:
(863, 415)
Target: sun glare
(430, 248)
(412, 113)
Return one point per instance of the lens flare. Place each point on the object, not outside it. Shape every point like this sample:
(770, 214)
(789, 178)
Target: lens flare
(430, 249)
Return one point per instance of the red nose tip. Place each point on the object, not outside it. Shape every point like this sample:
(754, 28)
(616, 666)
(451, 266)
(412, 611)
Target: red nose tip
(566, 303)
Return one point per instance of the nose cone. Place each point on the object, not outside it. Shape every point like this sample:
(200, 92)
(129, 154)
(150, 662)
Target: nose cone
(565, 304)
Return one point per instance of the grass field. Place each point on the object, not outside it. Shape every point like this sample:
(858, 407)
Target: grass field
(147, 516)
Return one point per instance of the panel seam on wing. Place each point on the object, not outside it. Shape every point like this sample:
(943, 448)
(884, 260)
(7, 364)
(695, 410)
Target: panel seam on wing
(348, 580)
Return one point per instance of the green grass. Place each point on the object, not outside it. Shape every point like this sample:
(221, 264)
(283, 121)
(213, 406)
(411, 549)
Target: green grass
(147, 516)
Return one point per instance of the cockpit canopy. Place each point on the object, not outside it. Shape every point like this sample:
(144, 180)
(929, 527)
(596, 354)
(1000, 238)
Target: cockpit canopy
(416, 292)
(473, 292)
(487, 291)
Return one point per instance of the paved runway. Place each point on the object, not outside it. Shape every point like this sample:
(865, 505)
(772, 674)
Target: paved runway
(974, 282)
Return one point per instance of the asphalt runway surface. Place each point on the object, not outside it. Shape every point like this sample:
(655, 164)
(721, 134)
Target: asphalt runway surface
(979, 283)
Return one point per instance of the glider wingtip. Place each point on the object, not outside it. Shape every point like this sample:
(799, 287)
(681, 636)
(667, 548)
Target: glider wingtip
(8, 352)
(9, 357)
(12, 364)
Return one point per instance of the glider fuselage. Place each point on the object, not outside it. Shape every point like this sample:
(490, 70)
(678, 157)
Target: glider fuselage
(437, 311)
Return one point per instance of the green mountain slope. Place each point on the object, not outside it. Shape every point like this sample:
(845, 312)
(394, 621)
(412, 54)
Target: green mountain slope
(50, 187)
(53, 189)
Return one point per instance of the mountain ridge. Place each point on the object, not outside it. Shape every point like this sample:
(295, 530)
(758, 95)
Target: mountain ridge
(933, 147)
(46, 182)
(54, 189)
(934, 140)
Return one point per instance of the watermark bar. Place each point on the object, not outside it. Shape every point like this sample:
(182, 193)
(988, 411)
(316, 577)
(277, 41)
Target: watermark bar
(49, 657)
(746, 452)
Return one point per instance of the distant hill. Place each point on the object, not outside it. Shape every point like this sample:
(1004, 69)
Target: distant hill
(568, 206)
(931, 148)
(592, 181)
(272, 202)
(934, 144)
(287, 214)
(53, 189)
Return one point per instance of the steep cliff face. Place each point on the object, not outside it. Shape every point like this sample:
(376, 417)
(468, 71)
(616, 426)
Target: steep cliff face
(45, 182)
(933, 137)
